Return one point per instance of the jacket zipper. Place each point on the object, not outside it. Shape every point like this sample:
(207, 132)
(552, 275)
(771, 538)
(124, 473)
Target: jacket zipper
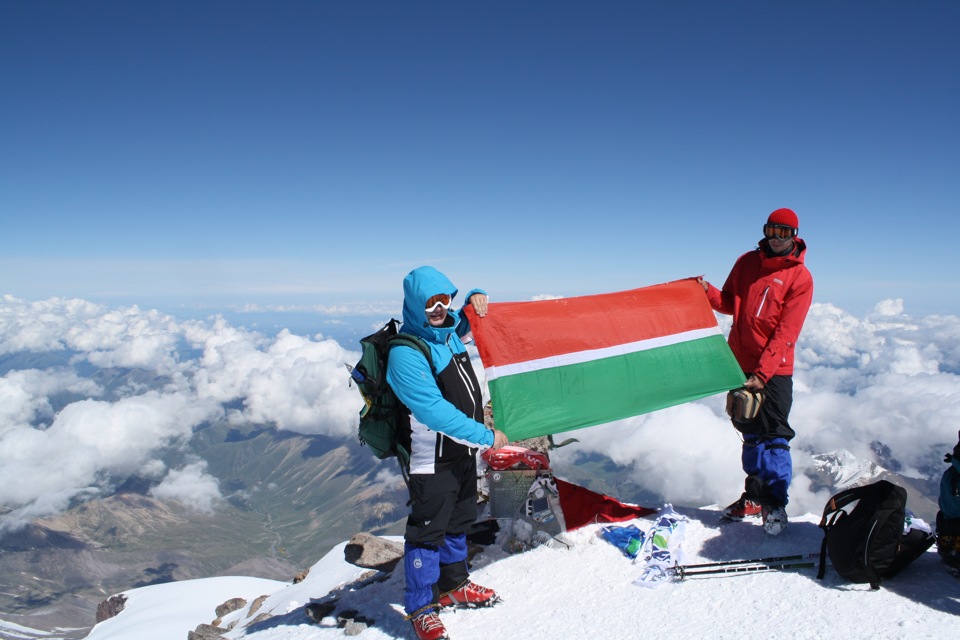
(763, 300)
(466, 383)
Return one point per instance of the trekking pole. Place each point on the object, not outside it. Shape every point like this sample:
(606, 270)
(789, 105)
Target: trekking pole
(682, 572)
(754, 561)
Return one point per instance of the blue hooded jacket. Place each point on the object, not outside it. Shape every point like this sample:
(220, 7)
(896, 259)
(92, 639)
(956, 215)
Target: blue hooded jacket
(433, 410)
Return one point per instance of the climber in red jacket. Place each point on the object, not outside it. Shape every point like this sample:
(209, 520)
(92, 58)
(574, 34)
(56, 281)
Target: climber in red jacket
(768, 293)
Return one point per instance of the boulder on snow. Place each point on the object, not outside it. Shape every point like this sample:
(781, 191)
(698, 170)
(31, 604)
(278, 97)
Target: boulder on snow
(256, 604)
(110, 607)
(206, 632)
(368, 551)
(230, 606)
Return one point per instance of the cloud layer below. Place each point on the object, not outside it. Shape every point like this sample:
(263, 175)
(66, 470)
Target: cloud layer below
(90, 395)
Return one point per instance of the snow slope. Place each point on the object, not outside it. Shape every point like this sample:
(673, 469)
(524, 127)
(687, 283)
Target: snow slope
(586, 590)
(172, 609)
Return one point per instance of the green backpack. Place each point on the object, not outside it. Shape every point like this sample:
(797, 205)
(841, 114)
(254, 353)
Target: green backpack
(383, 413)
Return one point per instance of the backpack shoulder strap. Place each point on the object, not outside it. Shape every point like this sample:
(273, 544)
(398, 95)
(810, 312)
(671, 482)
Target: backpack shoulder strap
(832, 512)
(408, 340)
(822, 570)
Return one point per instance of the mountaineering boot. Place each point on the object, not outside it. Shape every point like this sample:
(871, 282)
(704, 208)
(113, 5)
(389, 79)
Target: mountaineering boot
(741, 509)
(428, 626)
(469, 595)
(774, 520)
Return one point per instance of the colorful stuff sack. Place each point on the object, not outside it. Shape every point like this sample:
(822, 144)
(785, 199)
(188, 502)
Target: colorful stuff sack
(629, 539)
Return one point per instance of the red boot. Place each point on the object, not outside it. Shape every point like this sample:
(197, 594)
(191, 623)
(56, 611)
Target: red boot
(742, 508)
(469, 595)
(428, 626)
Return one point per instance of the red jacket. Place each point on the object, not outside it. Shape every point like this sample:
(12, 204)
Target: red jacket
(769, 298)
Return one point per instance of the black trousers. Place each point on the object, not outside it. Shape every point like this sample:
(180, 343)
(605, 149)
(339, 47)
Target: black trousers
(775, 410)
(442, 503)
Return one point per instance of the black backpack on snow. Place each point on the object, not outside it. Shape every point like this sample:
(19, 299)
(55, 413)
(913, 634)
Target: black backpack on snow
(383, 414)
(863, 534)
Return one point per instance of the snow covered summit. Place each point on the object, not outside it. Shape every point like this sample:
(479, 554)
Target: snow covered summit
(555, 592)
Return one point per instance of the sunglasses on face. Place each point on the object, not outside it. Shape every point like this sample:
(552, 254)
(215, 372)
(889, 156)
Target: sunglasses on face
(441, 299)
(778, 231)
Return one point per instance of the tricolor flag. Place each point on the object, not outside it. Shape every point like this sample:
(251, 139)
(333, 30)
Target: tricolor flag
(558, 365)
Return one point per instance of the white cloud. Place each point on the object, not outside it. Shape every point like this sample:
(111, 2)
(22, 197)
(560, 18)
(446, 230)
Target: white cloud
(126, 337)
(24, 394)
(291, 381)
(90, 441)
(689, 452)
(389, 478)
(40, 326)
(192, 486)
(546, 296)
(50, 503)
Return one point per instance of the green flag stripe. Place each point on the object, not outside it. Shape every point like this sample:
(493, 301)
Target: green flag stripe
(578, 357)
(580, 395)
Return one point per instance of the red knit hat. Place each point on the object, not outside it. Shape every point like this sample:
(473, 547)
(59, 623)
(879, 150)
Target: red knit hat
(786, 217)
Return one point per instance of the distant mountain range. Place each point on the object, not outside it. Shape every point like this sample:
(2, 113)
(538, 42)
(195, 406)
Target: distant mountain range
(289, 499)
(838, 471)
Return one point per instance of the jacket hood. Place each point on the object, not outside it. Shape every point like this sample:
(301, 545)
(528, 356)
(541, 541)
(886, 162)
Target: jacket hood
(419, 286)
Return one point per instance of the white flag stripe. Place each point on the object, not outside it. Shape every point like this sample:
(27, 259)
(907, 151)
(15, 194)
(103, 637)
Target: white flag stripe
(579, 357)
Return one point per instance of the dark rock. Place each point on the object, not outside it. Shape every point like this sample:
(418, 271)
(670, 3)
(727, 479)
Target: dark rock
(206, 632)
(257, 604)
(317, 611)
(368, 551)
(539, 444)
(110, 607)
(230, 606)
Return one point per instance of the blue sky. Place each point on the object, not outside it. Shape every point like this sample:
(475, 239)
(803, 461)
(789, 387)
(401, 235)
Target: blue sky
(220, 154)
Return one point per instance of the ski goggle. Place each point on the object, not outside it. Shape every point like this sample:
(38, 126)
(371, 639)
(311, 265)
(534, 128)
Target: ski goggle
(441, 299)
(779, 231)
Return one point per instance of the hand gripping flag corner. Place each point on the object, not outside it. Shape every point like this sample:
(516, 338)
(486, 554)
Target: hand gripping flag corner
(559, 365)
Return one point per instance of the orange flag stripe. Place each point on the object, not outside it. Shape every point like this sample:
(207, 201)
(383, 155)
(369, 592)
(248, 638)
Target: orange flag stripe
(515, 332)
